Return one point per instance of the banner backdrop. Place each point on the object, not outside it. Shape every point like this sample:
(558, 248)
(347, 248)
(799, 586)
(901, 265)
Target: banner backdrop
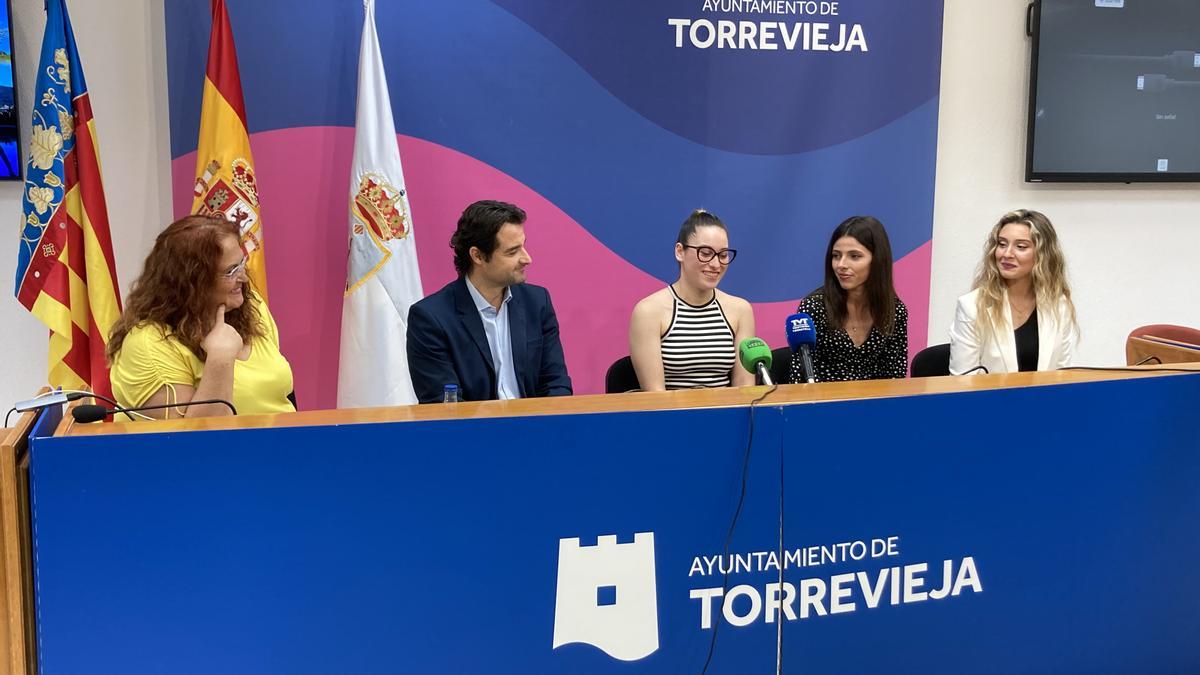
(608, 122)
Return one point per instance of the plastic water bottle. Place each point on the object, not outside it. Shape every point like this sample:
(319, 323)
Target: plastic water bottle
(450, 393)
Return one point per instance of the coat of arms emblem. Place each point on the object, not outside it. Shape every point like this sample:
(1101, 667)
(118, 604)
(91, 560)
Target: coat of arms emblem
(382, 225)
(380, 209)
(236, 199)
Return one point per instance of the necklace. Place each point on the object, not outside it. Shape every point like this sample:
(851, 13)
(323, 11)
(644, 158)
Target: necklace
(857, 327)
(857, 331)
(1021, 312)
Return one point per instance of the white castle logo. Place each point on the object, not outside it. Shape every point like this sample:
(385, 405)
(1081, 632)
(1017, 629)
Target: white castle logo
(607, 597)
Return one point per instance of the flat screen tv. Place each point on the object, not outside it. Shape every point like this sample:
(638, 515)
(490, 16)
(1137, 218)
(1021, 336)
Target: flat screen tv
(10, 163)
(1114, 91)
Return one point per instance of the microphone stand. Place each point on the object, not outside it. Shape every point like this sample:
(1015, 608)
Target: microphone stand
(764, 373)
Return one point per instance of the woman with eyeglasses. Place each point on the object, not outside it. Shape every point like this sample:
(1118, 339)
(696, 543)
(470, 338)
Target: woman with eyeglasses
(686, 335)
(194, 329)
(861, 324)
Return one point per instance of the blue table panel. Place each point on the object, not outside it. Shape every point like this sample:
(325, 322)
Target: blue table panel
(435, 546)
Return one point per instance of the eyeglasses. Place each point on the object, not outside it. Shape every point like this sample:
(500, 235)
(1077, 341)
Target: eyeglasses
(235, 271)
(707, 253)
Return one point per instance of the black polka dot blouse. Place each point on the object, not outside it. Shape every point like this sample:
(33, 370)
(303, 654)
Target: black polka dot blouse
(837, 359)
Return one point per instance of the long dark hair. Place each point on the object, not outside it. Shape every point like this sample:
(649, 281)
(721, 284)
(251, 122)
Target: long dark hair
(881, 294)
(176, 284)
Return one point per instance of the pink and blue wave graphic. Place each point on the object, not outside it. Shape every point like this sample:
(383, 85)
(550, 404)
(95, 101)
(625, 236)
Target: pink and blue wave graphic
(601, 136)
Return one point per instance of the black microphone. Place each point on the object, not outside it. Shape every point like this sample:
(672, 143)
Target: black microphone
(94, 413)
(802, 337)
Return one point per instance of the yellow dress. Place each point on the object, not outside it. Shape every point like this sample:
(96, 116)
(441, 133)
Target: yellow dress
(151, 358)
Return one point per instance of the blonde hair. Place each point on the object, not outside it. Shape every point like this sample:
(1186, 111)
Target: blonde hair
(1050, 287)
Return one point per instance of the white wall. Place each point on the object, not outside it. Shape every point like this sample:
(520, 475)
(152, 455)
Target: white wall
(123, 53)
(1130, 248)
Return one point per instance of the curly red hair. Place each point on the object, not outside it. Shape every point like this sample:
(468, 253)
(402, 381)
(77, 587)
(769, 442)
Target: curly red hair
(176, 286)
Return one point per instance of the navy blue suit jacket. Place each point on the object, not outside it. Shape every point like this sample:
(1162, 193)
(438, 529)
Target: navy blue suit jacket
(447, 345)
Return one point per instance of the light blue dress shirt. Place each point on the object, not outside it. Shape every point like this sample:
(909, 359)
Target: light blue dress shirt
(495, 326)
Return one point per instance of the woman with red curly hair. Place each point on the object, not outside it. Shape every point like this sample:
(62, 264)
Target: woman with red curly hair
(194, 329)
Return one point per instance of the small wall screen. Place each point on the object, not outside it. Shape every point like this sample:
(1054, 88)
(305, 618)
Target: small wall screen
(1115, 91)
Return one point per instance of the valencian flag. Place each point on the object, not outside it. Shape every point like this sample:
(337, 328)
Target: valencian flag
(225, 181)
(66, 275)
(382, 280)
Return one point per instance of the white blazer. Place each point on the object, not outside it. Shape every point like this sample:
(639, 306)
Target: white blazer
(1056, 343)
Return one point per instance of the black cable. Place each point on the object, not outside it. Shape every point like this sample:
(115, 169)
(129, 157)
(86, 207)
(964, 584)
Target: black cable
(1143, 361)
(782, 559)
(88, 413)
(712, 645)
(112, 402)
(107, 400)
(72, 395)
(102, 397)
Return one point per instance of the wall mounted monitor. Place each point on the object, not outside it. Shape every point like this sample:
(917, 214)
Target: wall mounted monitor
(10, 162)
(1114, 91)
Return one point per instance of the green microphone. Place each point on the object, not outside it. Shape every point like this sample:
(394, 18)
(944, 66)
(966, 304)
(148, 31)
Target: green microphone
(755, 356)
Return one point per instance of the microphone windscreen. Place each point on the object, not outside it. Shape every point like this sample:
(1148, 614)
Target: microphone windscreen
(753, 351)
(800, 331)
(89, 412)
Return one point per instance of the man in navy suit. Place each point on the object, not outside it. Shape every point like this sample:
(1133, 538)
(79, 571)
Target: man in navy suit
(488, 332)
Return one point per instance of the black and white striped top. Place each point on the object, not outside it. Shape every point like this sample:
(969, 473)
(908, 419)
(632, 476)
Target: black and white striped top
(698, 349)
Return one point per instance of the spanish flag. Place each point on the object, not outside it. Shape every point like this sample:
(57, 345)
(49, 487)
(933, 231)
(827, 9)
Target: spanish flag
(225, 182)
(66, 275)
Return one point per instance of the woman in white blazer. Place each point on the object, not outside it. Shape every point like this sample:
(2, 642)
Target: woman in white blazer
(1019, 315)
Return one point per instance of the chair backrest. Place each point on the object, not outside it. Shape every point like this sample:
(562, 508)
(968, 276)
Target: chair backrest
(932, 361)
(621, 377)
(781, 363)
(1161, 330)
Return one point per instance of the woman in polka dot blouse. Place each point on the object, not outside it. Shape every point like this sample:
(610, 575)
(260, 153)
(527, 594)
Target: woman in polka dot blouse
(862, 326)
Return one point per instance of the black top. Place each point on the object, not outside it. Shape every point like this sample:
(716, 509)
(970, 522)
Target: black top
(1027, 344)
(836, 358)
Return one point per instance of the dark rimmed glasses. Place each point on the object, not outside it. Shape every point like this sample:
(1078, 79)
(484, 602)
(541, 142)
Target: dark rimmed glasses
(707, 253)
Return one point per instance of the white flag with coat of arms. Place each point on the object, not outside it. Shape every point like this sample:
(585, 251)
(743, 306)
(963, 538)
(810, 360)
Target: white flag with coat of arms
(382, 278)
